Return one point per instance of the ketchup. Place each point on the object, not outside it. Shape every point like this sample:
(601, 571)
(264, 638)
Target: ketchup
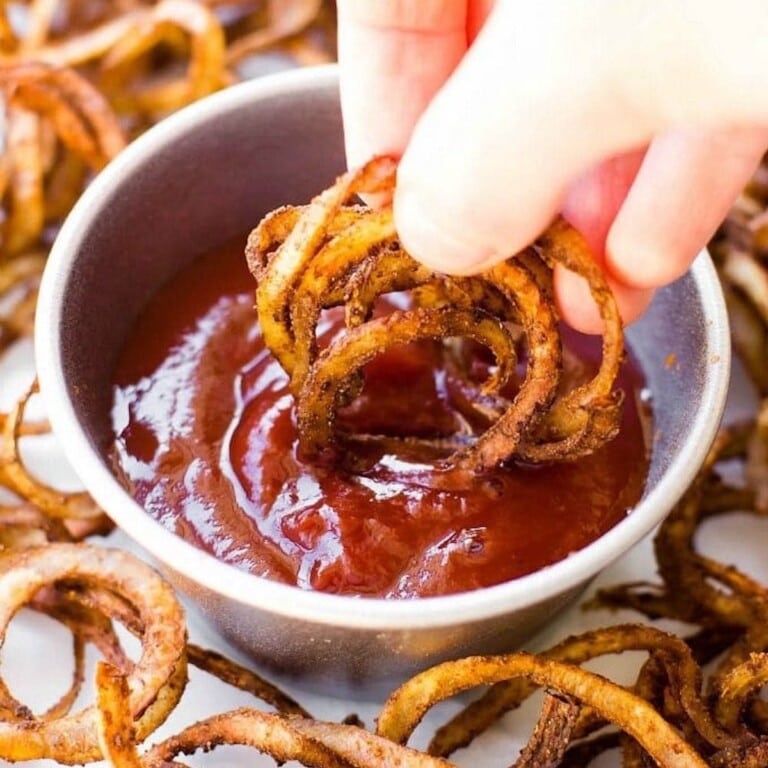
(205, 440)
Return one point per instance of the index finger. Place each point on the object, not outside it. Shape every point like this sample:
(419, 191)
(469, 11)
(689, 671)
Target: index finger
(394, 55)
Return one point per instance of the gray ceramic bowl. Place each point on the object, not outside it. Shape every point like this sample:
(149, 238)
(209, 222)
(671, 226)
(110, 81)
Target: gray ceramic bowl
(208, 174)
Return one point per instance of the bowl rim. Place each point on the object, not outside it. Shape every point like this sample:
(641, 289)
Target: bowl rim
(291, 601)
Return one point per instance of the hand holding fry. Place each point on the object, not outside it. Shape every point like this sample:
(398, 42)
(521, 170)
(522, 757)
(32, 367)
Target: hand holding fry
(507, 113)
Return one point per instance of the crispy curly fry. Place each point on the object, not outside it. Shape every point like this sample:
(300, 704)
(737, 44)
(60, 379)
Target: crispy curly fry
(239, 677)
(271, 734)
(551, 734)
(206, 71)
(42, 23)
(741, 253)
(679, 565)
(361, 748)
(8, 40)
(46, 104)
(27, 213)
(407, 705)
(671, 651)
(320, 399)
(734, 690)
(750, 337)
(13, 711)
(730, 606)
(80, 115)
(93, 627)
(591, 411)
(696, 588)
(743, 271)
(287, 264)
(501, 440)
(116, 732)
(155, 680)
(323, 284)
(584, 752)
(14, 475)
(26, 525)
(21, 270)
(39, 24)
(333, 253)
(757, 460)
(90, 45)
(285, 19)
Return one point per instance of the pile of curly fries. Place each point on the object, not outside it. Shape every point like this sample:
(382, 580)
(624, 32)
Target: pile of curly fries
(81, 78)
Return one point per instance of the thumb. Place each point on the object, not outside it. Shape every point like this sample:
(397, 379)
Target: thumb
(547, 91)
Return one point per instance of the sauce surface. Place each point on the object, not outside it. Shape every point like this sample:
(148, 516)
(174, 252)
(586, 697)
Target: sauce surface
(205, 440)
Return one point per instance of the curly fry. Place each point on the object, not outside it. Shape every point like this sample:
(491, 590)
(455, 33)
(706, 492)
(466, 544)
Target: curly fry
(334, 253)
(14, 475)
(206, 71)
(117, 735)
(671, 651)
(271, 734)
(155, 680)
(408, 704)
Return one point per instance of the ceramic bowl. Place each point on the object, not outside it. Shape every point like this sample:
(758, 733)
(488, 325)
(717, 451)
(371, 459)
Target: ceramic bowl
(208, 174)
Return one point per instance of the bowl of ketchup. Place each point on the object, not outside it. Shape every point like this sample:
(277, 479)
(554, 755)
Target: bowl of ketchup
(180, 423)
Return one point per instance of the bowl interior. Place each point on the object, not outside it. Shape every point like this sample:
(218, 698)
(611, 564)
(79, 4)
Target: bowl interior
(209, 174)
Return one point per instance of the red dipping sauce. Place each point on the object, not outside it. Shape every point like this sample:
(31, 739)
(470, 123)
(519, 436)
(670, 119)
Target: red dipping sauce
(205, 440)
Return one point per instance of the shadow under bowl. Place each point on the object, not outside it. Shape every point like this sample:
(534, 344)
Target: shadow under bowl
(208, 174)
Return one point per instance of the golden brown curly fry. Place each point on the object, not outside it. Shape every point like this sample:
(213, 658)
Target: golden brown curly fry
(672, 652)
(334, 253)
(14, 475)
(589, 413)
(407, 705)
(328, 385)
(240, 677)
(551, 735)
(53, 114)
(116, 732)
(740, 249)
(80, 115)
(26, 215)
(362, 749)
(288, 263)
(284, 20)
(206, 71)
(271, 734)
(155, 680)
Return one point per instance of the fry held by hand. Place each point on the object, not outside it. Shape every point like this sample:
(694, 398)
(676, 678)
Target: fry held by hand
(336, 253)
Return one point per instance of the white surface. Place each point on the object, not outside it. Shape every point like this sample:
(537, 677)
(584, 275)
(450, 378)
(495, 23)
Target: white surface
(36, 657)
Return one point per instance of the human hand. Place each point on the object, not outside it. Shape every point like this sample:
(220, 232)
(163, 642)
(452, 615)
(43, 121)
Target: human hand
(640, 121)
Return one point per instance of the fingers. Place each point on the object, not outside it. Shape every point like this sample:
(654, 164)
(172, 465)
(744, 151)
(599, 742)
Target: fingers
(591, 205)
(535, 103)
(687, 182)
(578, 310)
(540, 98)
(477, 13)
(595, 197)
(648, 215)
(696, 62)
(394, 55)
(530, 107)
